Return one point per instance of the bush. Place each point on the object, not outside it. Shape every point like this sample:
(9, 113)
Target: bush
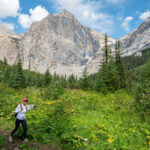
(2, 141)
(143, 99)
(54, 90)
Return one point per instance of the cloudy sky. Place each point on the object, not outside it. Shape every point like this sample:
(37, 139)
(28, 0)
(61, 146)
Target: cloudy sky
(116, 17)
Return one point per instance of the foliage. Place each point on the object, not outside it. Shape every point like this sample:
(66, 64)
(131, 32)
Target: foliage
(27, 147)
(143, 92)
(107, 79)
(134, 60)
(53, 91)
(107, 50)
(120, 66)
(47, 78)
(2, 141)
(84, 80)
(17, 77)
(72, 82)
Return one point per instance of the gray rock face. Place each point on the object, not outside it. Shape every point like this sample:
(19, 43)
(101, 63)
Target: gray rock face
(58, 43)
(9, 48)
(137, 40)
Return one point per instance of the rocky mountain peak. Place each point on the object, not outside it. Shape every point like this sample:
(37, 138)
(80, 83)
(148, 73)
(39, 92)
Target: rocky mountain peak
(66, 13)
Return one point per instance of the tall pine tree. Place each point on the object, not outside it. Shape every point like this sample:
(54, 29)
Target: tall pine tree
(107, 78)
(47, 78)
(120, 66)
(17, 77)
(84, 81)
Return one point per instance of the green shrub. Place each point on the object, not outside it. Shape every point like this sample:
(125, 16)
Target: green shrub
(3, 141)
(54, 90)
(143, 99)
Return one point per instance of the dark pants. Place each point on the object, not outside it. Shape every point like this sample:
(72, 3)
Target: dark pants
(24, 125)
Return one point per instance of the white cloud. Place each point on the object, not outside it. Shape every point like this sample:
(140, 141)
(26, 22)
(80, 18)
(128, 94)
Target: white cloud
(36, 14)
(88, 13)
(126, 22)
(25, 20)
(69, 4)
(9, 8)
(9, 26)
(145, 15)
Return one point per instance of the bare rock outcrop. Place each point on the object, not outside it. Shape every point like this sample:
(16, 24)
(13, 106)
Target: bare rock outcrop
(59, 42)
(138, 40)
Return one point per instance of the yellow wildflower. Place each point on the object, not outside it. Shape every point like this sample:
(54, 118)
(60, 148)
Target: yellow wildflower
(100, 125)
(110, 140)
(75, 126)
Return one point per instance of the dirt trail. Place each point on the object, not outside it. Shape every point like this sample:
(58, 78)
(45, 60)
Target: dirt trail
(13, 145)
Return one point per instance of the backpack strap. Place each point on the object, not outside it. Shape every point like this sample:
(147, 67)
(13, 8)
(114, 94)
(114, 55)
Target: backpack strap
(25, 107)
(20, 105)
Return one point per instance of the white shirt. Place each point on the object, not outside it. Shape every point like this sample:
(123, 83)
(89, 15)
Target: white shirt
(21, 114)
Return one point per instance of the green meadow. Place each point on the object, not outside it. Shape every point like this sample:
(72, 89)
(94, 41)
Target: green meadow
(78, 120)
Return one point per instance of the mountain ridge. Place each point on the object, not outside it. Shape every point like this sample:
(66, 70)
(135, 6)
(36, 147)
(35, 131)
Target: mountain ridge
(63, 45)
(137, 40)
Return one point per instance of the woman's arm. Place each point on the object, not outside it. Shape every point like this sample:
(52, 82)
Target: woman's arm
(18, 109)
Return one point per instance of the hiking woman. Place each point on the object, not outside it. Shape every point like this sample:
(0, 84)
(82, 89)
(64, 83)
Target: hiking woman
(20, 114)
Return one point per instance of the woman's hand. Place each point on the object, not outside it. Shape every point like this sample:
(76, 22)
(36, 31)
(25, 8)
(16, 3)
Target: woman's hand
(21, 108)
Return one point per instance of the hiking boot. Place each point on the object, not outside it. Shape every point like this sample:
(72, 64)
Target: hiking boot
(10, 138)
(25, 140)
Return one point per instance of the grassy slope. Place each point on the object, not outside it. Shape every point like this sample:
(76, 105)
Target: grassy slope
(108, 122)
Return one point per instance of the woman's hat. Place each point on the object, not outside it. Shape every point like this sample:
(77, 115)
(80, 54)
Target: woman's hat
(25, 100)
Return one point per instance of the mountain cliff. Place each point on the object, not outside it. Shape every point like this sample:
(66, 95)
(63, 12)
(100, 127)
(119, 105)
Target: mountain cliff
(8, 45)
(138, 40)
(62, 45)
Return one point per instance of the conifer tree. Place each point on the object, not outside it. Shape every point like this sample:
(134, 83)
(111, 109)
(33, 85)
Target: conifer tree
(71, 82)
(47, 78)
(39, 80)
(6, 75)
(107, 78)
(17, 77)
(120, 66)
(28, 80)
(5, 61)
(107, 50)
(84, 82)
